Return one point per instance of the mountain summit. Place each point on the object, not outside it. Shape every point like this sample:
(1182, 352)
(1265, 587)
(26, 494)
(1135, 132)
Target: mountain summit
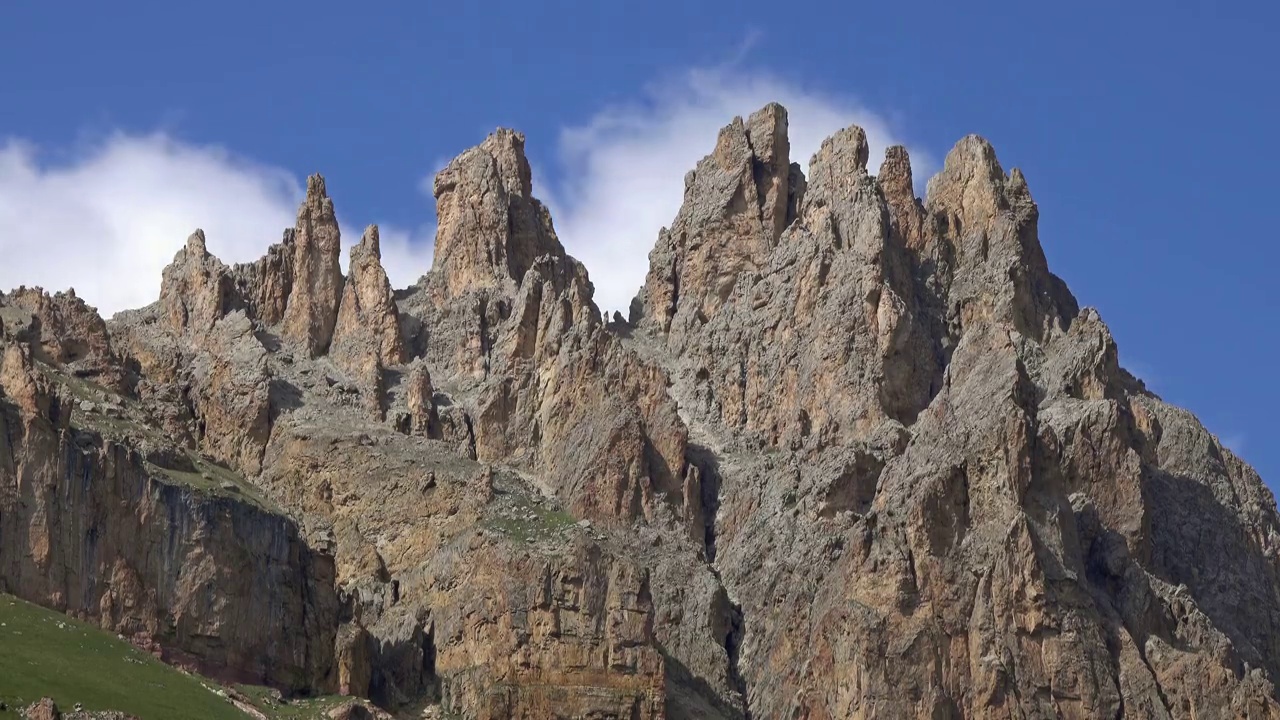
(854, 454)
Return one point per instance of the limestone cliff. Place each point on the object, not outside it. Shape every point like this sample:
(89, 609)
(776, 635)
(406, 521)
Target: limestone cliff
(855, 454)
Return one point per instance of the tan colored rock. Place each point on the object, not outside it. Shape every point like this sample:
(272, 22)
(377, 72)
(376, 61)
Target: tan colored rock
(737, 202)
(764, 364)
(861, 456)
(43, 709)
(62, 329)
(554, 393)
(354, 662)
(357, 710)
(490, 227)
(20, 383)
(267, 283)
(231, 394)
(316, 288)
(990, 222)
(577, 643)
(366, 337)
(368, 324)
(156, 548)
(197, 289)
(907, 212)
(420, 401)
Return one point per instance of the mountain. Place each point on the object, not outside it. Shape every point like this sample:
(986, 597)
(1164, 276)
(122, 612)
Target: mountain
(853, 454)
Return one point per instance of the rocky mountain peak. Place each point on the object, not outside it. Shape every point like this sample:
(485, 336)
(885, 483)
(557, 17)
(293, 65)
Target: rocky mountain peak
(196, 289)
(61, 329)
(196, 244)
(369, 247)
(366, 336)
(737, 202)
(895, 175)
(490, 228)
(316, 286)
(971, 185)
(841, 156)
(858, 454)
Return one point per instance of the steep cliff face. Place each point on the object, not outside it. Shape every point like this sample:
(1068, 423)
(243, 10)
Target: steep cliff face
(120, 535)
(856, 454)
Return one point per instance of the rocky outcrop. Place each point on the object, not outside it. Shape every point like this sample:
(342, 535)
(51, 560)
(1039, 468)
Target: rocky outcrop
(97, 528)
(267, 283)
(737, 203)
(367, 329)
(197, 289)
(990, 222)
(490, 227)
(315, 288)
(857, 454)
(43, 709)
(366, 338)
(554, 392)
(763, 363)
(973, 485)
(61, 329)
(230, 395)
(583, 620)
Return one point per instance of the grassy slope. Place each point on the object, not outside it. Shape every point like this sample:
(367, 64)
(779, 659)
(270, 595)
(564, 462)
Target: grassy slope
(45, 653)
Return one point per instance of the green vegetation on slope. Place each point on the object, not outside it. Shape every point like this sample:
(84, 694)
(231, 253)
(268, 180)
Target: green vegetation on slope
(527, 520)
(44, 653)
(212, 479)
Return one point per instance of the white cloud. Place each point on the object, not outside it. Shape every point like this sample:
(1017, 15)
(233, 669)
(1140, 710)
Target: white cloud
(623, 171)
(108, 222)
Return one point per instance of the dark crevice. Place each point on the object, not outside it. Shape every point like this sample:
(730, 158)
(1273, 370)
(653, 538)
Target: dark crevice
(471, 435)
(733, 647)
(761, 181)
(429, 664)
(675, 289)
(708, 466)
(1168, 708)
(484, 333)
(707, 463)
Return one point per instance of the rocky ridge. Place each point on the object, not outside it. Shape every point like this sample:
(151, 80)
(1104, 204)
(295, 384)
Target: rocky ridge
(854, 454)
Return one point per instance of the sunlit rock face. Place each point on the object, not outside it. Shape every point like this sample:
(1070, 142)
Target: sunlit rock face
(855, 454)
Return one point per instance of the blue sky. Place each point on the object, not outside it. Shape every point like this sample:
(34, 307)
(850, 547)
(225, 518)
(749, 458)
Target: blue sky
(1147, 133)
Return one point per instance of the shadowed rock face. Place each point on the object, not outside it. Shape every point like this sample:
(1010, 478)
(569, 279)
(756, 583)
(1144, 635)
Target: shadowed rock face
(857, 454)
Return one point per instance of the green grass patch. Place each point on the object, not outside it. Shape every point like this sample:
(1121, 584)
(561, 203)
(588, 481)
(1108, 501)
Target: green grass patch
(213, 479)
(522, 519)
(46, 654)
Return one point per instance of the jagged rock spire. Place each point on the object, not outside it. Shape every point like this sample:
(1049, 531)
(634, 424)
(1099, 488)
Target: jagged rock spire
(736, 204)
(197, 289)
(990, 221)
(366, 337)
(316, 288)
(897, 184)
(490, 227)
(368, 324)
(971, 186)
